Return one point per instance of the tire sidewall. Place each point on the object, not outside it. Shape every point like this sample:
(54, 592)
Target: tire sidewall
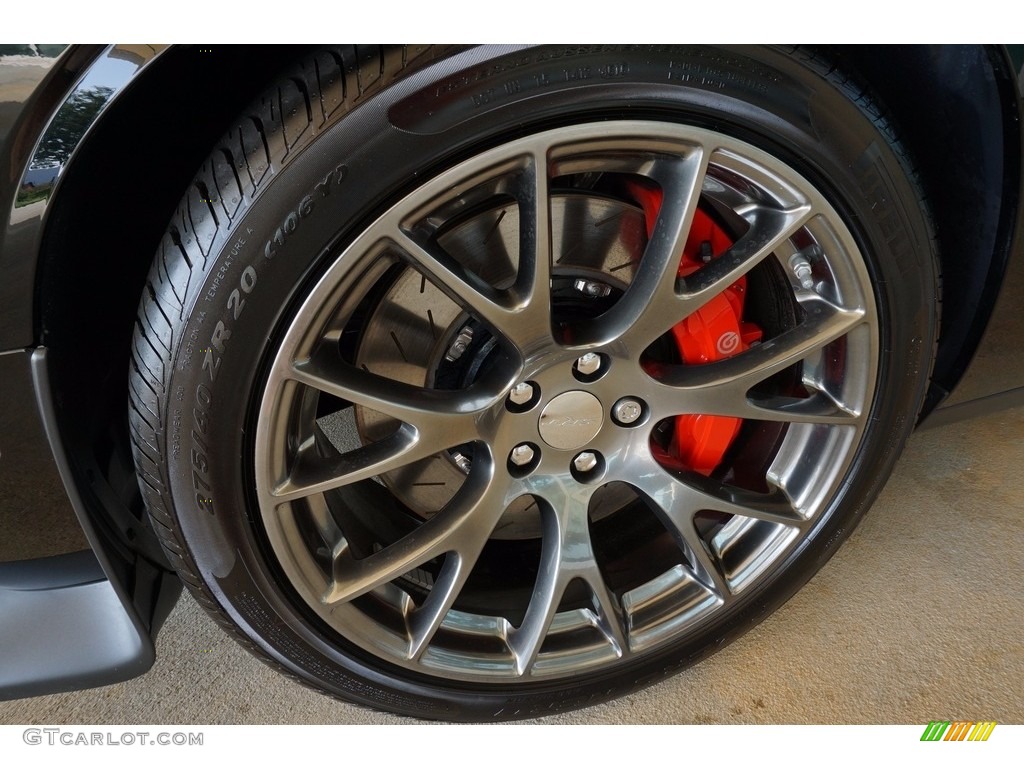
(331, 190)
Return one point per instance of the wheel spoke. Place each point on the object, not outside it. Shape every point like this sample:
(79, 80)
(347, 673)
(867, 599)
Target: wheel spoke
(494, 307)
(462, 527)
(312, 473)
(433, 411)
(532, 327)
(693, 493)
(526, 640)
(608, 611)
(675, 504)
(769, 227)
(426, 620)
(521, 313)
(566, 555)
(816, 409)
(720, 388)
(651, 304)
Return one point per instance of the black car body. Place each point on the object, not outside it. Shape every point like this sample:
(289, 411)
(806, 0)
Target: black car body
(96, 144)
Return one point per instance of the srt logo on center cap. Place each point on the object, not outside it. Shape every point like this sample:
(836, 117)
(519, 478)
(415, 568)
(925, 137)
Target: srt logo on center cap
(571, 421)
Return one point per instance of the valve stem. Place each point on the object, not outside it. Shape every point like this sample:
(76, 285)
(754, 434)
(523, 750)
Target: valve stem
(801, 265)
(460, 345)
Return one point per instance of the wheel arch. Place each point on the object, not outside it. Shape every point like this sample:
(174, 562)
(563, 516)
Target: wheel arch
(102, 223)
(971, 91)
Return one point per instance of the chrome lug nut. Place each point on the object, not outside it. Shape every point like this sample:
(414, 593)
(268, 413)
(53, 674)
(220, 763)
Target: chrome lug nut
(584, 462)
(521, 393)
(521, 455)
(588, 363)
(592, 289)
(627, 410)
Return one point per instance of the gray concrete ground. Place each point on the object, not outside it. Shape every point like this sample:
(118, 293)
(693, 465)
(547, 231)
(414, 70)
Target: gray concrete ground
(918, 617)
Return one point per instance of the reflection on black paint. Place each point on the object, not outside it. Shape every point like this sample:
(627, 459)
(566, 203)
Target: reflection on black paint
(62, 136)
(70, 123)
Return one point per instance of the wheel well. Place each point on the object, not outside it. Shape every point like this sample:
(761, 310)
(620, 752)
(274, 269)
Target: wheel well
(957, 111)
(117, 196)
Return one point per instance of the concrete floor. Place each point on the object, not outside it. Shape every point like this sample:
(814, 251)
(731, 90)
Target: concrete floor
(918, 617)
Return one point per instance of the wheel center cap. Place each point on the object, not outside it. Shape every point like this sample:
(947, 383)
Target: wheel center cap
(571, 420)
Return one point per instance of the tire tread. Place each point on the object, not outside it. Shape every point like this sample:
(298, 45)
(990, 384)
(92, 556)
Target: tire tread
(276, 127)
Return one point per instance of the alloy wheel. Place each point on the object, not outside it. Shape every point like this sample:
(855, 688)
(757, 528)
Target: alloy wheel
(469, 457)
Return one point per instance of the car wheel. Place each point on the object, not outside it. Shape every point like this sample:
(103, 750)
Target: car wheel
(486, 384)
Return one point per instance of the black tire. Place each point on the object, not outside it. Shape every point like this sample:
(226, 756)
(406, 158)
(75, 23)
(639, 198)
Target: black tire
(349, 132)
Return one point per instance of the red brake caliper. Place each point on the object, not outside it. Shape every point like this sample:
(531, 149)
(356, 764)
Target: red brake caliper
(714, 332)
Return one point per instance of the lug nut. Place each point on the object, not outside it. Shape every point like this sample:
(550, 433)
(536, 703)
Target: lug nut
(584, 462)
(588, 363)
(521, 393)
(592, 289)
(521, 455)
(627, 410)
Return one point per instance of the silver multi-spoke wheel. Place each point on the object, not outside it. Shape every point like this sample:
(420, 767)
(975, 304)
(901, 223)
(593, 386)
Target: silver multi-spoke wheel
(460, 449)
